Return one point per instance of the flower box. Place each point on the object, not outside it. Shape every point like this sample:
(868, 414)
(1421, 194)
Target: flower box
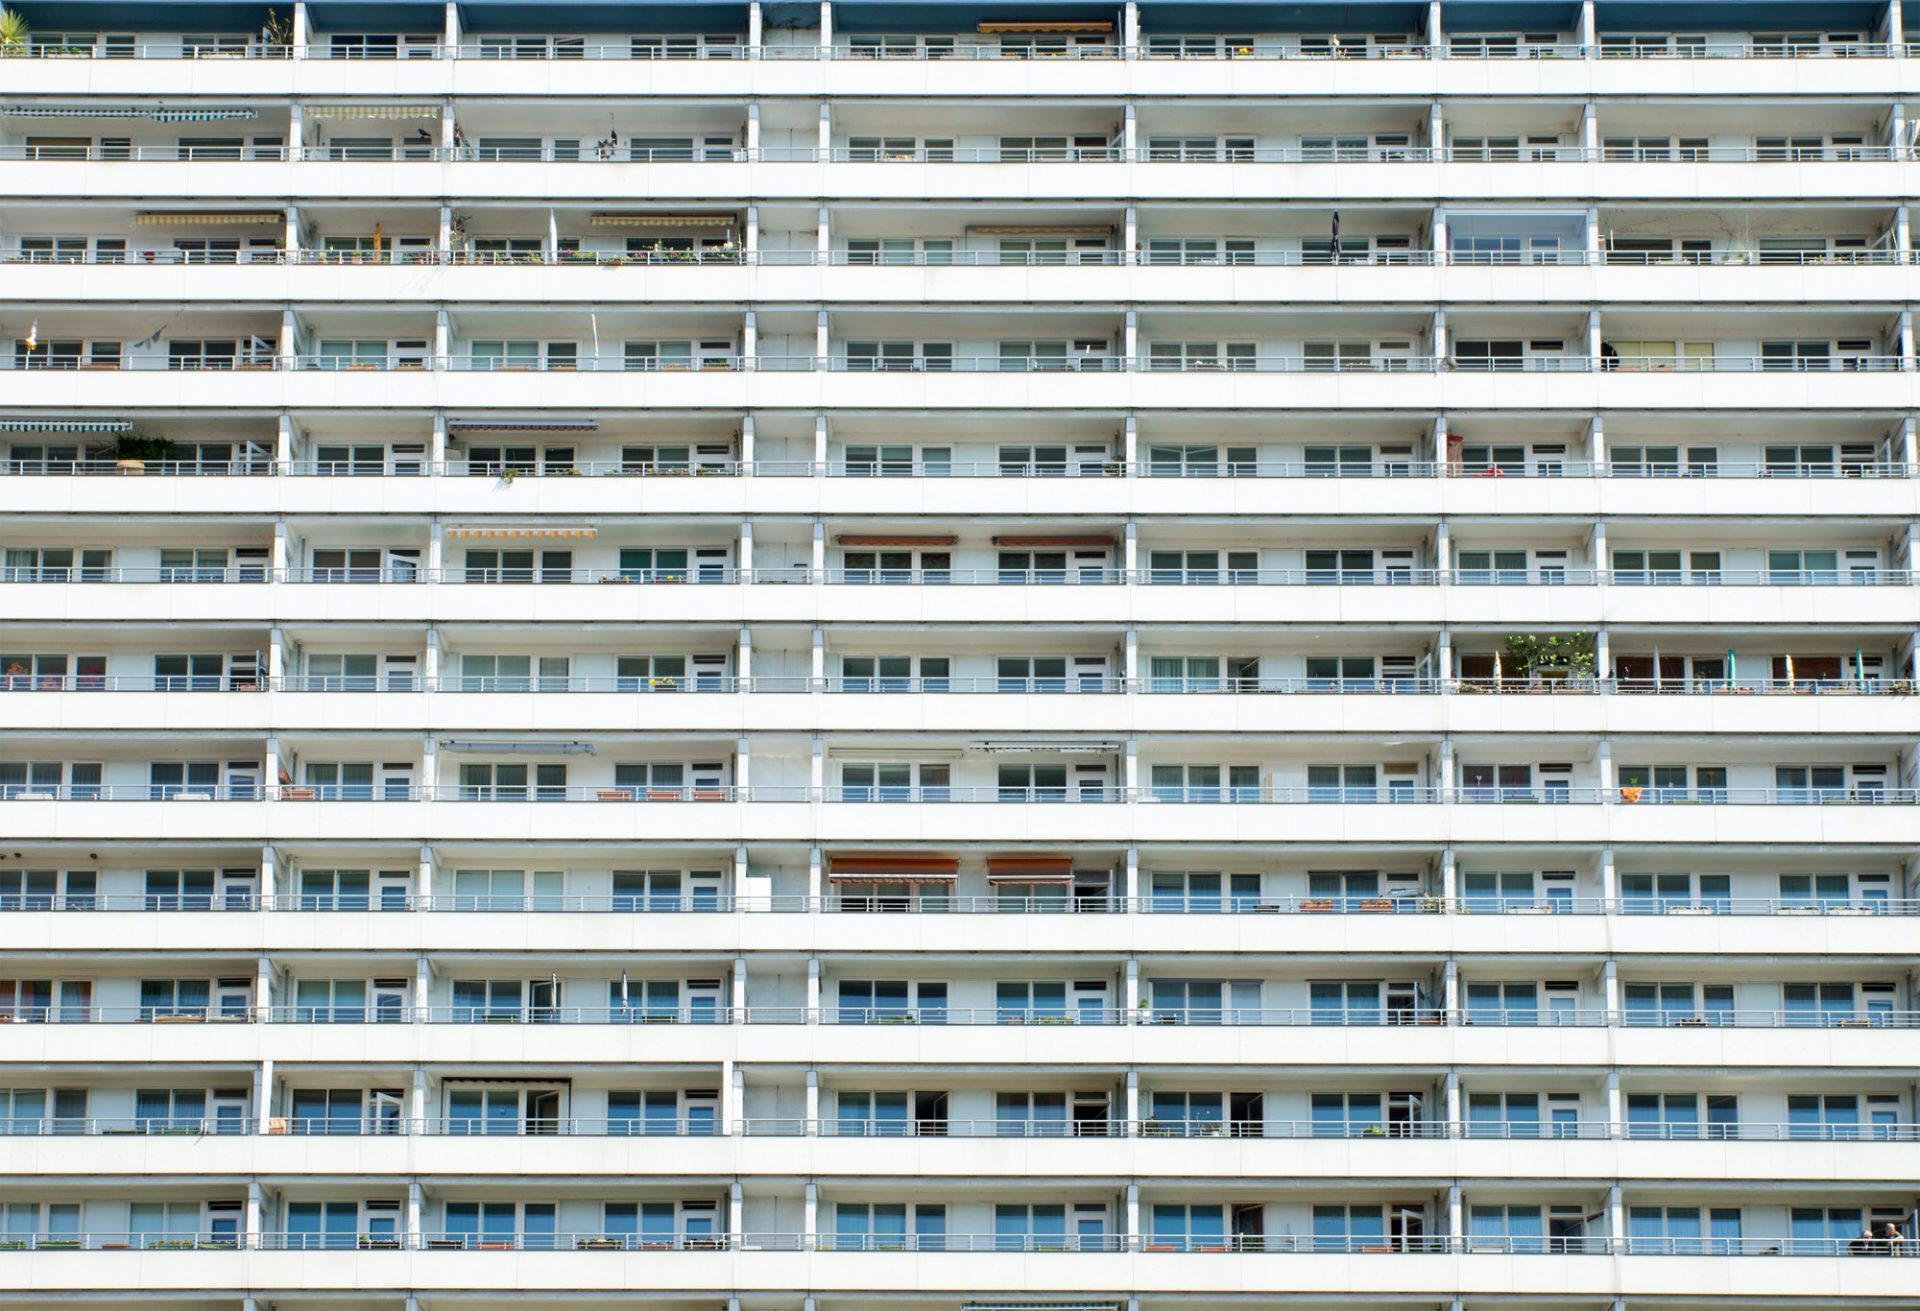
(615, 794)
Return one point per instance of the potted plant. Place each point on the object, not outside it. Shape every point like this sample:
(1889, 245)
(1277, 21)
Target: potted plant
(13, 33)
(131, 451)
(1313, 904)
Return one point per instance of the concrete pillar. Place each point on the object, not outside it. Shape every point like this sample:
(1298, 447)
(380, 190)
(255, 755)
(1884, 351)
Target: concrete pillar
(738, 996)
(442, 340)
(263, 1096)
(1436, 30)
(1602, 654)
(1130, 341)
(1130, 551)
(1129, 233)
(256, 1216)
(263, 988)
(1594, 253)
(1436, 131)
(753, 147)
(1131, 988)
(751, 239)
(422, 988)
(1597, 442)
(553, 236)
(756, 37)
(821, 432)
(1131, 1106)
(1896, 28)
(815, 883)
(416, 1208)
(1449, 876)
(1130, 658)
(289, 339)
(819, 544)
(1130, 770)
(1451, 1094)
(1615, 1117)
(736, 1085)
(812, 1222)
(823, 142)
(270, 767)
(813, 1103)
(1610, 987)
(1133, 1208)
(743, 666)
(740, 868)
(1906, 339)
(1444, 771)
(1130, 444)
(300, 29)
(1902, 231)
(1450, 987)
(1601, 558)
(1130, 30)
(813, 990)
(1456, 1213)
(445, 238)
(819, 666)
(436, 551)
(430, 665)
(283, 444)
(1440, 430)
(1439, 334)
(437, 450)
(417, 1102)
(749, 339)
(1594, 338)
(736, 1209)
(291, 240)
(1589, 30)
(1616, 1214)
(1603, 765)
(1590, 130)
(1132, 890)
(1130, 133)
(276, 659)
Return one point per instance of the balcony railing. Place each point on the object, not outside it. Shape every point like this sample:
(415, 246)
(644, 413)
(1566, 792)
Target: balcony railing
(851, 1014)
(881, 793)
(732, 256)
(916, 468)
(1362, 1244)
(1188, 48)
(587, 153)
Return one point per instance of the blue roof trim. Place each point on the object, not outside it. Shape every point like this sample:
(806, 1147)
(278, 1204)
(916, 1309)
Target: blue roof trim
(145, 15)
(557, 16)
(375, 16)
(1381, 17)
(1737, 15)
(1511, 16)
(964, 15)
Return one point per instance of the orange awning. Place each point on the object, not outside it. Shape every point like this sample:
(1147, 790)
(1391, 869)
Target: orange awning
(892, 867)
(895, 539)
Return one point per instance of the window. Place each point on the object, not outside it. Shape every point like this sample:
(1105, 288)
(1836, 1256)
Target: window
(503, 1225)
(667, 890)
(1678, 1004)
(1201, 892)
(886, 1114)
(895, 673)
(1205, 1001)
(662, 1113)
(1663, 893)
(1204, 567)
(891, 1001)
(1180, 1228)
(895, 781)
(888, 1227)
(501, 782)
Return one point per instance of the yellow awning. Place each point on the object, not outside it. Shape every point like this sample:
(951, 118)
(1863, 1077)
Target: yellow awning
(186, 219)
(363, 113)
(663, 220)
(548, 533)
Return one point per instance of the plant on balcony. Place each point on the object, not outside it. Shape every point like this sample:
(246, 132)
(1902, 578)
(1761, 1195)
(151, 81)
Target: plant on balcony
(1555, 658)
(132, 451)
(13, 33)
(277, 30)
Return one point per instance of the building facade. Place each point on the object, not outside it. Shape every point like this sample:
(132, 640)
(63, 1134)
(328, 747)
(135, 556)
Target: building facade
(928, 655)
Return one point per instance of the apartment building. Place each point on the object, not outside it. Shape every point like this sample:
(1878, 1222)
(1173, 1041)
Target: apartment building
(935, 655)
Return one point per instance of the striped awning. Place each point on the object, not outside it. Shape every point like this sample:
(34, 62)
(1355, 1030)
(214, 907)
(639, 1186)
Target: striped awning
(366, 113)
(850, 539)
(66, 425)
(144, 113)
(223, 114)
(523, 425)
(546, 533)
(210, 219)
(662, 220)
(879, 877)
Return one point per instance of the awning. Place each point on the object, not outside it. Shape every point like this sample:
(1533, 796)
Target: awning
(365, 113)
(523, 425)
(548, 533)
(1029, 869)
(144, 113)
(853, 539)
(892, 867)
(221, 115)
(1043, 229)
(204, 219)
(1053, 541)
(66, 425)
(662, 220)
(1046, 27)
